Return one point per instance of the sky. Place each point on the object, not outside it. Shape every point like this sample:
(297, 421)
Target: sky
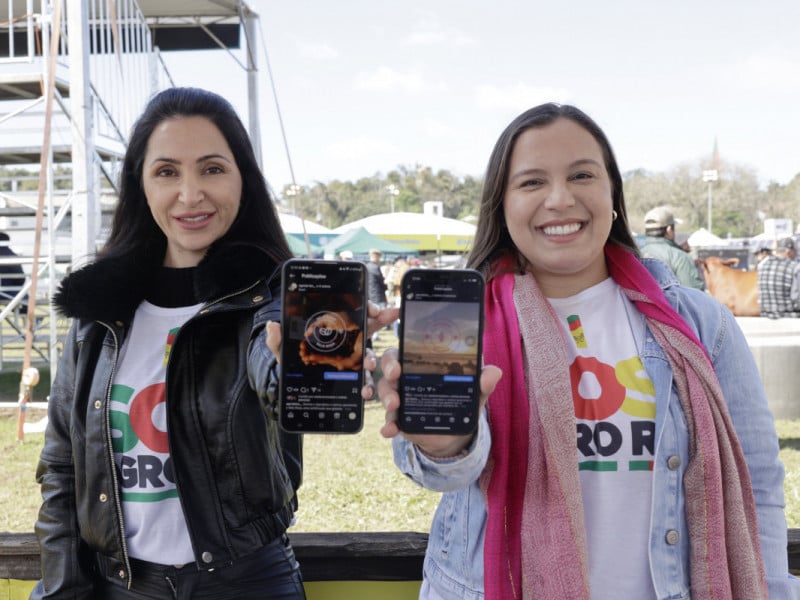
(365, 86)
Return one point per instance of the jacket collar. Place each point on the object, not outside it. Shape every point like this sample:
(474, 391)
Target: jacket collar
(110, 288)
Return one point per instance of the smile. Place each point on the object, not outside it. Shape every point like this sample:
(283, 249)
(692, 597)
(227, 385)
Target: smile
(196, 219)
(561, 229)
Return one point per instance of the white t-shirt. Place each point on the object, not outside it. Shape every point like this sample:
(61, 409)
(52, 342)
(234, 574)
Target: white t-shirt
(155, 526)
(615, 413)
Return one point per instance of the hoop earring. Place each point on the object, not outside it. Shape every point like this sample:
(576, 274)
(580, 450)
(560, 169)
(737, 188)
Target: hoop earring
(614, 215)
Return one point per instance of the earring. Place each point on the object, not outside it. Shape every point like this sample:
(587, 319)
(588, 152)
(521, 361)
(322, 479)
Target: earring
(614, 215)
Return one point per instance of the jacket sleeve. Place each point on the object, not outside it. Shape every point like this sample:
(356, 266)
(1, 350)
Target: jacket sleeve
(66, 561)
(755, 428)
(795, 290)
(449, 474)
(264, 375)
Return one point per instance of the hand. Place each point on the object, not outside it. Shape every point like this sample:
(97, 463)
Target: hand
(378, 318)
(433, 445)
(274, 339)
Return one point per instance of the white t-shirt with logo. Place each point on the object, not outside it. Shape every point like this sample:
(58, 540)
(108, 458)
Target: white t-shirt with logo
(615, 415)
(155, 526)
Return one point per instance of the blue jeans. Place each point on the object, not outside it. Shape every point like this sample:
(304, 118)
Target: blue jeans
(271, 573)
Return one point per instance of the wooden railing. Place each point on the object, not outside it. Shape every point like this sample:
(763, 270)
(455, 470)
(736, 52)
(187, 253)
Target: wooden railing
(392, 556)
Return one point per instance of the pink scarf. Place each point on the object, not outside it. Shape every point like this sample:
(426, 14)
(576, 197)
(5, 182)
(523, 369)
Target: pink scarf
(535, 539)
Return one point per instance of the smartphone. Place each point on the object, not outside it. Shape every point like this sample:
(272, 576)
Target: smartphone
(441, 331)
(323, 324)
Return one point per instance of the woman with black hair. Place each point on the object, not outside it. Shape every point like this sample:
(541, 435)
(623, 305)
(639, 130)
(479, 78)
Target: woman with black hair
(163, 473)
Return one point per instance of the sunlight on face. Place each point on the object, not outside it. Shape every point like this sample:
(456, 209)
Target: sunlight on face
(193, 186)
(558, 206)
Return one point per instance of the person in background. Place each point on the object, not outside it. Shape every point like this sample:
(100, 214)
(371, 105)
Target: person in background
(12, 277)
(779, 282)
(394, 279)
(163, 472)
(760, 252)
(626, 450)
(376, 284)
(659, 225)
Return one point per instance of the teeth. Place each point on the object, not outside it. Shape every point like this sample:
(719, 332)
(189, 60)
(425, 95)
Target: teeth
(562, 229)
(194, 219)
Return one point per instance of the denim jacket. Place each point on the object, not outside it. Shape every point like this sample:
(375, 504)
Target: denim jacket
(454, 559)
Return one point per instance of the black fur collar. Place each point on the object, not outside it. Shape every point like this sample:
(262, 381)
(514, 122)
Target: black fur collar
(110, 289)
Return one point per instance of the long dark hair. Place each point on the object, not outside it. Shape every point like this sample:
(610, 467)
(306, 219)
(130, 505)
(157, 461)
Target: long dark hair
(491, 237)
(135, 231)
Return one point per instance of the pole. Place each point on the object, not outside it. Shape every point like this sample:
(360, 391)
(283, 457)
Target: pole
(709, 206)
(44, 168)
(710, 176)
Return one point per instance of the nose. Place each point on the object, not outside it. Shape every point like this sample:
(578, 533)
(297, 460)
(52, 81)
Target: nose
(191, 191)
(560, 196)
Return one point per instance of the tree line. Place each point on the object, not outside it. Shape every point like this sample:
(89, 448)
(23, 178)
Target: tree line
(739, 204)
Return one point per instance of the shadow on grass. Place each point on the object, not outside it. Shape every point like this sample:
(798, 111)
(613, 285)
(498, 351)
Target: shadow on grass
(789, 443)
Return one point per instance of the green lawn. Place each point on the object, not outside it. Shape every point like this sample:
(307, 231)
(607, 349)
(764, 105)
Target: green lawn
(350, 482)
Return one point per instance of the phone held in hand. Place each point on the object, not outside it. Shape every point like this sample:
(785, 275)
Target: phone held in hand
(323, 325)
(441, 331)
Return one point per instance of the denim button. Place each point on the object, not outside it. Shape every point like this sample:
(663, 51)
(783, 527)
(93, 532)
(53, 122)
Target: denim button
(673, 462)
(207, 557)
(672, 537)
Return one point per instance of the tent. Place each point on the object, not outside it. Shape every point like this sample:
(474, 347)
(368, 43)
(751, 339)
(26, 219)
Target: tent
(360, 241)
(317, 234)
(703, 237)
(298, 246)
(418, 231)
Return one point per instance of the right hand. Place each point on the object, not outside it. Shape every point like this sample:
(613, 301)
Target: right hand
(437, 446)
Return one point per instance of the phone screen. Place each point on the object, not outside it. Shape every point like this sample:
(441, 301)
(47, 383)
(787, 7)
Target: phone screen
(441, 328)
(322, 352)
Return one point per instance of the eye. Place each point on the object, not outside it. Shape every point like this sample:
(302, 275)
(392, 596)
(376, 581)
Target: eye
(532, 182)
(213, 169)
(165, 171)
(582, 175)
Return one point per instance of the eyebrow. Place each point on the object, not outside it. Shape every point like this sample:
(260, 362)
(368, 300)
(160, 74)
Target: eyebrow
(200, 159)
(535, 171)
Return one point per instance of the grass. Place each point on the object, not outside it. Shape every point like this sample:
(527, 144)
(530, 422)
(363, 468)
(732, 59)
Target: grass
(350, 481)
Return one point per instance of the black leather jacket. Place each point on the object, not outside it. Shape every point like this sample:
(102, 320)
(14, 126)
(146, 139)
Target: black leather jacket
(233, 483)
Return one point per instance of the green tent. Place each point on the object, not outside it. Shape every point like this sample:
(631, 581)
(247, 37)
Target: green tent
(298, 246)
(359, 241)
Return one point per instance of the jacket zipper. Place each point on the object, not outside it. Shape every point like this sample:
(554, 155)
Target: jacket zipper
(110, 445)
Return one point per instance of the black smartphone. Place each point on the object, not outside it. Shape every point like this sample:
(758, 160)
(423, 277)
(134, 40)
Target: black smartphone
(441, 331)
(323, 324)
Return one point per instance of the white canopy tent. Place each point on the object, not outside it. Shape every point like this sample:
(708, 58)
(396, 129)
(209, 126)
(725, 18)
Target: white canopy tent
(703, 237)
(418, 231)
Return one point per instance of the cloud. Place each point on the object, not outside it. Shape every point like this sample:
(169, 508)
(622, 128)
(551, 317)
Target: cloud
(317, 51)
(361, 147)
(517, 97)
(428, 31)
(766, 69)
(435, 128)
(385, 79)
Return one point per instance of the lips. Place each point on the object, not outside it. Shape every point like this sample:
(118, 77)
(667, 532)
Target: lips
(193, 218)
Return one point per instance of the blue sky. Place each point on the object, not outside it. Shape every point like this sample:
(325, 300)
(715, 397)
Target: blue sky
(365, 86)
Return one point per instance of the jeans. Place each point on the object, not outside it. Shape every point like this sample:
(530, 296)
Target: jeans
(271, 573)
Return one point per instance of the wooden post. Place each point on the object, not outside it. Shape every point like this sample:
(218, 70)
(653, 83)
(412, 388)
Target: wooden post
(44, 165)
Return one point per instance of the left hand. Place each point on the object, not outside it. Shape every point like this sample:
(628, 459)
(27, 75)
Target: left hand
(377, 319)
